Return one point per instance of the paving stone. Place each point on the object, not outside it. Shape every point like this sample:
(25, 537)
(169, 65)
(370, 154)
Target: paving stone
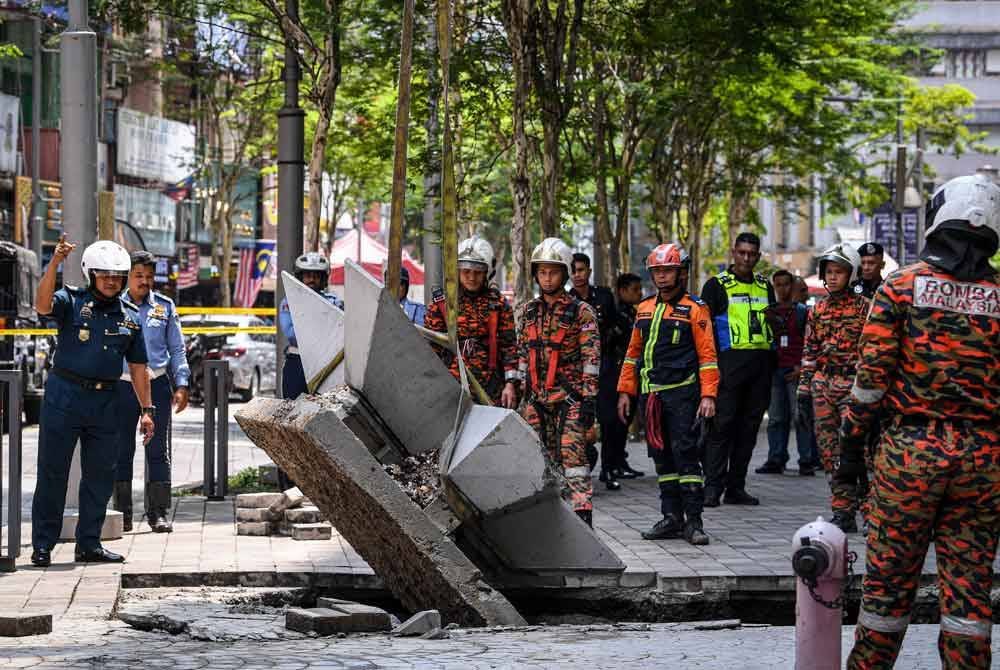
(287, 500)
(304, 515)
(254, 528)
(323, 621)
(419, 624)
(373, 618)
(22, 624)
(256, 514)
(311, 531)
(252, 500)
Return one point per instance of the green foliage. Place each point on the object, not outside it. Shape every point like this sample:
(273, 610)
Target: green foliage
(247, 480)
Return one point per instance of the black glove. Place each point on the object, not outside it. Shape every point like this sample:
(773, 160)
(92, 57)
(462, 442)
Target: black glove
(588, 412)
(852, 452)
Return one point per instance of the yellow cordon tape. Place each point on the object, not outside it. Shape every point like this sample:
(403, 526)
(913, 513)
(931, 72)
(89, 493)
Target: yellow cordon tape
(235, 311)
(207, 330)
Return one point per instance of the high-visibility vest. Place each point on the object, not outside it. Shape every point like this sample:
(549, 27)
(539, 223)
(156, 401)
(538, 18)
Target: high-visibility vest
(743, 326)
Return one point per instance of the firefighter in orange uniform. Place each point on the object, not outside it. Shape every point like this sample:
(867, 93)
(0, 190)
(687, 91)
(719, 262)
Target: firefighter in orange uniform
(485, 325)
(671, 363)
(559, 358)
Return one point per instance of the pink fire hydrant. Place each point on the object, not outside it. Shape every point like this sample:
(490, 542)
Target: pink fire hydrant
(819, 560)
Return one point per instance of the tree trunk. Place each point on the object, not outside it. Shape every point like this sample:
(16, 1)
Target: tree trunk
(551, 179)
(317, 161)
(399, 155)
(602, 220)
(740, 197)
(225, 255)
(517, 15)
(432, 176)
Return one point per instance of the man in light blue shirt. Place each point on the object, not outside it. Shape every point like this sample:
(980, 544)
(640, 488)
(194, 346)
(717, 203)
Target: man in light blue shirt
(414, 310)
(161, 330)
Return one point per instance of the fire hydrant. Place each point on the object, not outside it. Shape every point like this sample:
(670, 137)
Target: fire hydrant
(820, 562)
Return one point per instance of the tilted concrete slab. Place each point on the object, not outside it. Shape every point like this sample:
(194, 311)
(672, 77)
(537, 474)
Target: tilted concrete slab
(497, 461)
(396, 371)
(418, 563)
(319, 331)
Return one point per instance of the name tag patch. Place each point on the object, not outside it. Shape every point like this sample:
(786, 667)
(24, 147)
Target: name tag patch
(953, 296)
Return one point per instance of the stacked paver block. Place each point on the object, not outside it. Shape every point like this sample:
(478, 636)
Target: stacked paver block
(337, 616)
(286, 513)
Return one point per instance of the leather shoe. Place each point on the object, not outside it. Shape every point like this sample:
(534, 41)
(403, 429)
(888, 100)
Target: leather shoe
(98, 555)
(626, 472)
(770, 468)
(41, 557)
(739, 497)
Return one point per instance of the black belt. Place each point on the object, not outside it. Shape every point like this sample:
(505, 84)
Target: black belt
(86, 382)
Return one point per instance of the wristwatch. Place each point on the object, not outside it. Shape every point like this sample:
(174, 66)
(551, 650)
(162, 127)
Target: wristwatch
(149, 411)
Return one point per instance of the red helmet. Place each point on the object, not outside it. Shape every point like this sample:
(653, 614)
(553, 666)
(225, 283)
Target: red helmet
(668, 255)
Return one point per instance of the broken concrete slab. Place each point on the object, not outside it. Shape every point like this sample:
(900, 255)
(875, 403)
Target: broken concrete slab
(289, 499)
(414, 394)
(497, 461)
(418, 563)
(420, 623)
(256, 500)
(319, 331)
(20, 624)
(311, 531)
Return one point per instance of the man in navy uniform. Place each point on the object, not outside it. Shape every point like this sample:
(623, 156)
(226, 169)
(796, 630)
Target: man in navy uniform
(872, 262)
(313, 270)
(97, 328)
(415, 311)
(161, 332)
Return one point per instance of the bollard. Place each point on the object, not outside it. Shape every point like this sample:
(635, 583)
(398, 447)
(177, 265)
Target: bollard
(820, 561)
(10, 412)
(216, 381)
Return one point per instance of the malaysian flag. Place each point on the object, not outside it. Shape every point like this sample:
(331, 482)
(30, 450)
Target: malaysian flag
(254, 262)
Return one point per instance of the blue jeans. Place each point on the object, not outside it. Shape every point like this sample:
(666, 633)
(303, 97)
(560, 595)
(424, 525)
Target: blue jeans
(781, 418)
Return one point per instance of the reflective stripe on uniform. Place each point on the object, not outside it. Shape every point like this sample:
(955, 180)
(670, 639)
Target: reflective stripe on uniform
(672, 477)
(512, 375)
(692, 479)
(630, 361)
(580, 471)
(647, 354)
(957, 625)
(591, 370)
(708, 366)
(653, 388)
(883, 624)
(866, 396)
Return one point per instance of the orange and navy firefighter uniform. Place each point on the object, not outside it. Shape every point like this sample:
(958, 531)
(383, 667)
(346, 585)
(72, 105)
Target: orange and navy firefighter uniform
(559, 358)
(671, 362)
(486, 337)
(829, 362)
(930, 359)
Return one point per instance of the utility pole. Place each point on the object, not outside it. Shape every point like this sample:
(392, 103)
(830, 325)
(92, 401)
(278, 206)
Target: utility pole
(78, 138)
(34, 218)
(900, 198)
(291, 172)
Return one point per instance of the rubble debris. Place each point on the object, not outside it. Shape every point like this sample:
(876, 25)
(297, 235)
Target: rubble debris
(417, 476)
(289, 499)
(419, 624)
(352, 618)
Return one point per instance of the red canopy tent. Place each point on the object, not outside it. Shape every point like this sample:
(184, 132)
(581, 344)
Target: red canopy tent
(373, 255)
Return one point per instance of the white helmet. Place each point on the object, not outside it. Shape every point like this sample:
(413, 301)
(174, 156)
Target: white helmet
(105, 256)
(842, 254)
(974, 199)
(552, 250)
(475, 253)
(313, 261)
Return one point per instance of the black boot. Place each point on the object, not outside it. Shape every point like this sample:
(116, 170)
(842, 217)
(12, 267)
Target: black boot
(694, 532)
(667, 528)
(587, 516)
(159, 507)
(122, 502)
(608, 477)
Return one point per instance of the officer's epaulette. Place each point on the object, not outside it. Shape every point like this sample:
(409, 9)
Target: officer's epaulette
(437, 295)
(73, 289)
(695, 299)
(159, 297)
(131, 305)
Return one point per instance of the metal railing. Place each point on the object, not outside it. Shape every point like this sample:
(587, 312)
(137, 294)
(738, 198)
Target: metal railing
(216, 392)
(10, 413)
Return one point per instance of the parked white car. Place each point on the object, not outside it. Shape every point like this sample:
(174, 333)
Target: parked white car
(251, 356)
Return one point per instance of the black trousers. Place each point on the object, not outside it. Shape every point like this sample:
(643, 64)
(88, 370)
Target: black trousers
(744, 395)
(678, 472)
